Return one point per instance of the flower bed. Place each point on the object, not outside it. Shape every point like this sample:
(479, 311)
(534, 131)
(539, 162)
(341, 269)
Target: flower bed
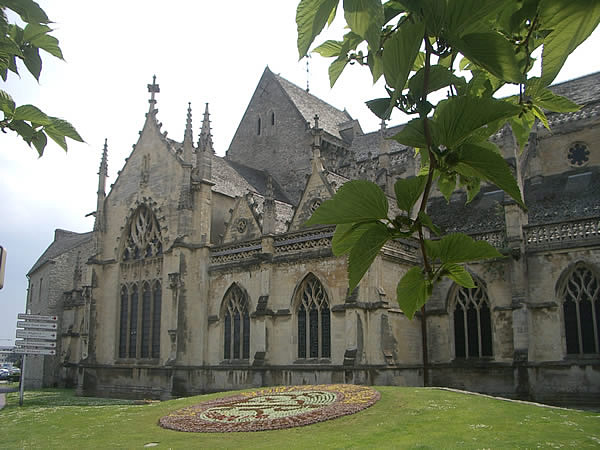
(272, 408)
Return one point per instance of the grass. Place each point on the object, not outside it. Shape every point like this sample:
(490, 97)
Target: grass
(403, 418)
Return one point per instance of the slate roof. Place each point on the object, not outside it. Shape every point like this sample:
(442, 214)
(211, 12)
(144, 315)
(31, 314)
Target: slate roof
(64, 241)
(309, 105)
(235, 179)
(371, 142)
(581, 90)
(284, 212)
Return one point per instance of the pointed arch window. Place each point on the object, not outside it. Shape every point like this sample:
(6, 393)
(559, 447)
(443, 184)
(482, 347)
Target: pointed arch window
(139, 320)
(143, 239)
(313, 320)
(236, 342)
(472, 322)
(581, 311)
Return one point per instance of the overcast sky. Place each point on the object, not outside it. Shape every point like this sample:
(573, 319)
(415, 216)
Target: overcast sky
(201, 52)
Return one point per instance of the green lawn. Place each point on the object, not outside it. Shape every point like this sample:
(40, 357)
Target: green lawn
(404, 417)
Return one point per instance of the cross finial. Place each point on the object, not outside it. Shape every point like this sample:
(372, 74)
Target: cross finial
(316, 121)
(153, 89)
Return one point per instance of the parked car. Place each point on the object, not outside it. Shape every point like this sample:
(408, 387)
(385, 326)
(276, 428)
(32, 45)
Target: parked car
(5, 374)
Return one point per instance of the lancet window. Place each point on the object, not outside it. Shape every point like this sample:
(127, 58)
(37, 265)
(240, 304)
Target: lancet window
(472, 322)
(139, 320)
(143, 238)
(313, 320)
(581, 310)
(236, 342)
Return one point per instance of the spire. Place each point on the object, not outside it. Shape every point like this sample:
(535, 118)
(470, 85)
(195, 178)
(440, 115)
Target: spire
(102, 176)
(153, 89)
(317, 162)
(188, 146)
(268, 222)
(205, 139)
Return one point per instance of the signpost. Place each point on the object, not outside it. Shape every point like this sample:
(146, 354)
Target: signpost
(37, 337)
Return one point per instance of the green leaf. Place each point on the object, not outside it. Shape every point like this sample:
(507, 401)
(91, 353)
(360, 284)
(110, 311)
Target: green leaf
(458, 274)
(57, 137)
(545, 98)
(23, 129)
(571, 22)
(408, 191)
(336, 68)
(400, 52)
(427, 222)
(39, 141)
(355, 201)
(446, 184)
(412, 291)
(457, 117)
(49, 44)
(32, 61)
(521, 127)
(481, 162)
(35, 30)
(7, 104)
(412, 134)
(493, 52)
(365, 250)
(311, 17)
(439, 77)
(375, 62)
(381, 107)
(459, 248)
(29, 10)
(329, 49)
(346, 235)
(537, 112)
(365, 18)
(31, 114)
(65, 128)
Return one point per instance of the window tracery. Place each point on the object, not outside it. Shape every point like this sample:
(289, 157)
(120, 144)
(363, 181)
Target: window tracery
(236, 342)
(143, 238)
(472, 322)
(313, 320)
(581, 311)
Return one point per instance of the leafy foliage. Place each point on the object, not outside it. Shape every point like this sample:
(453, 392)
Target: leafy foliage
(419, 46)
(24, 45)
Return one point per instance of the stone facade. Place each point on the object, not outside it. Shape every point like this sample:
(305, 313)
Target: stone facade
(199, 276)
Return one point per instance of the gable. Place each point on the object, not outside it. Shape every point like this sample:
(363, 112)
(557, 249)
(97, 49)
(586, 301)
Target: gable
(243, 224)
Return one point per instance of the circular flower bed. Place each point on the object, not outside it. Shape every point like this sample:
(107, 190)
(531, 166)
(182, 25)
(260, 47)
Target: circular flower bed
(272, 408)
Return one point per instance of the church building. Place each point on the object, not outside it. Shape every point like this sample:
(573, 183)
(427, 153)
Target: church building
(199, 275)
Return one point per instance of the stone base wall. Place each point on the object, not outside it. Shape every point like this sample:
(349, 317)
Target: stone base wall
(560, 383)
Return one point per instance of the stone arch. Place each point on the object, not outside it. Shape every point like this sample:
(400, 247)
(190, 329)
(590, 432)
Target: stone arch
(578, 293)
(312, 311)
(235, 312)
(470, 315)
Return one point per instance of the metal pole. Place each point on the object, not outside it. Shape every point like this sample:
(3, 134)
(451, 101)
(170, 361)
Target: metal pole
(22, 381)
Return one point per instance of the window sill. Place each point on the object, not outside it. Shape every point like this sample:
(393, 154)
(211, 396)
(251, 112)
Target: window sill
(310, 361)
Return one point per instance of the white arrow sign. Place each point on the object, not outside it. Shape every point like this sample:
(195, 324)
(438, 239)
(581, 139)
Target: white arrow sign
(22, 316)
(35, 343)
(37, 325)
(35, 351)
(51, 335)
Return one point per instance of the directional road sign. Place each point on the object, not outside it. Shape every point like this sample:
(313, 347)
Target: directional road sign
(36, 334)
(35, 343)
(37, 317)
(37, 325)
(36, 351)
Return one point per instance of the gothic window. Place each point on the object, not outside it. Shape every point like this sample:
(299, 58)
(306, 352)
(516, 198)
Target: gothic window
(472, 322)
(581, 310)
(139, 320)
(143, 239)
(236, 342)
(313, 320)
